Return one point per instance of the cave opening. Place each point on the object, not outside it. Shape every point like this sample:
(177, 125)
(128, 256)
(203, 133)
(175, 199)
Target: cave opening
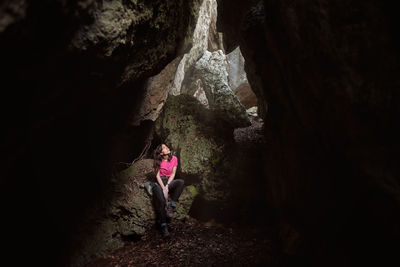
(216, 81)
(214, 93)
(91, 87)
(203, 107)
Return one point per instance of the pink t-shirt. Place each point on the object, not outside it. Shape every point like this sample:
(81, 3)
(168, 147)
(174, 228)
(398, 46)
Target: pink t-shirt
(167, 166)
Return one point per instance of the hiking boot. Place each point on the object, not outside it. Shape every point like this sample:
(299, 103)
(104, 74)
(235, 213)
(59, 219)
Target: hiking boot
(165, 231)
(170, 211)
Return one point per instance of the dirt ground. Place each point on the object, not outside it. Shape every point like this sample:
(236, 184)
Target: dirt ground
(193, 243)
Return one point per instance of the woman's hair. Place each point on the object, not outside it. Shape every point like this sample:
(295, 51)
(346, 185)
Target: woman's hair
(158, 158)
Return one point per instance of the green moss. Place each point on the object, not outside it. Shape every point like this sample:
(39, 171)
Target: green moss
(192, 190)
(185, 202)
(187, 126)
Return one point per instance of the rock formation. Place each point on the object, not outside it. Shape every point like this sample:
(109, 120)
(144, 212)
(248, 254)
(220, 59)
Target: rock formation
(325, 74)
(210, 73)
(157, 90)
(169, 81)
(207, 15)
(127, 214)
(200, 143)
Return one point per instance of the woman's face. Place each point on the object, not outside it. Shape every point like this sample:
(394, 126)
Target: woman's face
(164, 150)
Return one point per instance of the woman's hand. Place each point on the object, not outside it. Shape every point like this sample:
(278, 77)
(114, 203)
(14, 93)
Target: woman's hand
(165, 191)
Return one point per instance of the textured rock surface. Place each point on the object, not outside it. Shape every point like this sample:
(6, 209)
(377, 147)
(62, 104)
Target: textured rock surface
(328, 74)
(207, 15)
(190, 129)
(170, 79)
(115, 24)
(157, 89)
(211, 71)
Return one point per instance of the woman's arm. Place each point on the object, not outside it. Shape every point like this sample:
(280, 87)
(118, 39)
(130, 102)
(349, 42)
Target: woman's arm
(164, 188)
(171, 178)
(159, 179)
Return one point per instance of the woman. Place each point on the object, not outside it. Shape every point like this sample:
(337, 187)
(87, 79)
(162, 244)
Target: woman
(165, 168)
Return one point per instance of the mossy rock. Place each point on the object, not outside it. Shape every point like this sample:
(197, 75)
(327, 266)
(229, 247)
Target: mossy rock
(129, 212)
(190, 129)
(182, 125)
(185, 202)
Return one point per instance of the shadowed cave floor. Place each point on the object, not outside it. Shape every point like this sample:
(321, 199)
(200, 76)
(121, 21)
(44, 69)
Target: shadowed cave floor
(193, 243)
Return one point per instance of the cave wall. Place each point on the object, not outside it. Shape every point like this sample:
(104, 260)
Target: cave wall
(326, 76)
(72, 73)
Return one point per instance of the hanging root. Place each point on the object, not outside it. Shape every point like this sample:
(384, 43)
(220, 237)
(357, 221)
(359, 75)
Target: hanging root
(145, 149)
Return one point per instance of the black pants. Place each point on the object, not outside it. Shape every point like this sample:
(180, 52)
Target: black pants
(175, 189)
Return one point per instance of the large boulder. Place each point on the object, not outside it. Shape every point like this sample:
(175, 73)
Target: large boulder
(128, 212)
(200, 144)
(210, 72)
